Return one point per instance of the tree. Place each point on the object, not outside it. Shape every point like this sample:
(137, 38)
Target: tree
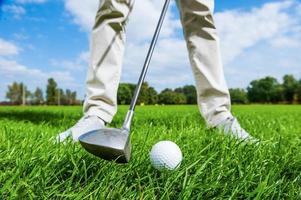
(61, 98)
(148, 95)
(299, 92)
(290, 88)
(69, 99)
(17, 93)
(152, 96)
(73, 98)
(190, 92)
(37, 97)
(168, 96)
(51, 92)
(14, 93)
(132, 87)
(143, 96)
(266, 90)
(238, 96)
(124, 94)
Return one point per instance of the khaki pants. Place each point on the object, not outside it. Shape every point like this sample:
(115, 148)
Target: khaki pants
(107, 49)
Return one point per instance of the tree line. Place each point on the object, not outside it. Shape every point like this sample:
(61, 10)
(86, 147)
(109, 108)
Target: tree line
(149, 96)
(264, 90)
(18, 94)
(269, 90)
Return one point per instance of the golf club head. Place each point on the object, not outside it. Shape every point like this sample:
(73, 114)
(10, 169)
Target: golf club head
(108, 143)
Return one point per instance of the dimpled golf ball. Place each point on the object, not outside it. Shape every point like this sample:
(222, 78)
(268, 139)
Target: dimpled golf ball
(166, 155)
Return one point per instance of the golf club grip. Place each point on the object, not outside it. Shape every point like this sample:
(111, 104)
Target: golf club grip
(149, 56)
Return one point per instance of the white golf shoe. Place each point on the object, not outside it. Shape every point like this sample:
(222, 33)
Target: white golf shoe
(231, 127)
(84, 125)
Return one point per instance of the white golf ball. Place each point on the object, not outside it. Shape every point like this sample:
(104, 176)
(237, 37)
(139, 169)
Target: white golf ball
(166, 155)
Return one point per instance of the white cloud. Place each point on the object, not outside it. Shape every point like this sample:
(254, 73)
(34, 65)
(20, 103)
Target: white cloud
(78, 64)
(240, 30)
(11, 70)
(8, 48)
(143, 20)
(169, 61)
(263, 60)
(17, 11)
(170, 58)
(260, 41)
(286, 41)
(83, 12)
(84, 56)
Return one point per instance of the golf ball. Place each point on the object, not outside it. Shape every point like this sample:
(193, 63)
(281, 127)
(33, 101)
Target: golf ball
(166, 155)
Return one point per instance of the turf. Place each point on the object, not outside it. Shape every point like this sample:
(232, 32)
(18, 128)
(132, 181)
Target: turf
(214, 166)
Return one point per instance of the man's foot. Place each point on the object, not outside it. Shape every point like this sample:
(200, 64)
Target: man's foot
(84, 125)
(231, 126)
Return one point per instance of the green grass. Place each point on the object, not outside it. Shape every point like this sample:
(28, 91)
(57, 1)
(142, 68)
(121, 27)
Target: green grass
(214, 166)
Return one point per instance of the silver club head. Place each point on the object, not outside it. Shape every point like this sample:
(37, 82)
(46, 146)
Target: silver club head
(108, 143)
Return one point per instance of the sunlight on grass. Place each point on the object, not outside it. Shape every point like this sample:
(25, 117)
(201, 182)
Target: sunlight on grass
(214, 166)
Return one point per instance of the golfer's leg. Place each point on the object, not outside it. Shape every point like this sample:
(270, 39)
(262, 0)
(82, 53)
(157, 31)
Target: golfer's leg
(204, 53)
(107, 47)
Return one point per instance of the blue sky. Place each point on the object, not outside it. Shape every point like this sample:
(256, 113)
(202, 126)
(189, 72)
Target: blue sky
(43, 38)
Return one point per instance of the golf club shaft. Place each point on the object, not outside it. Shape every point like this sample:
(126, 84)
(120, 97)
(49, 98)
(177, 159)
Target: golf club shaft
(130, 113)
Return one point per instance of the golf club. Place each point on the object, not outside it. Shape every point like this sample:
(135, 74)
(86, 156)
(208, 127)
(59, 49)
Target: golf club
(112, 143)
